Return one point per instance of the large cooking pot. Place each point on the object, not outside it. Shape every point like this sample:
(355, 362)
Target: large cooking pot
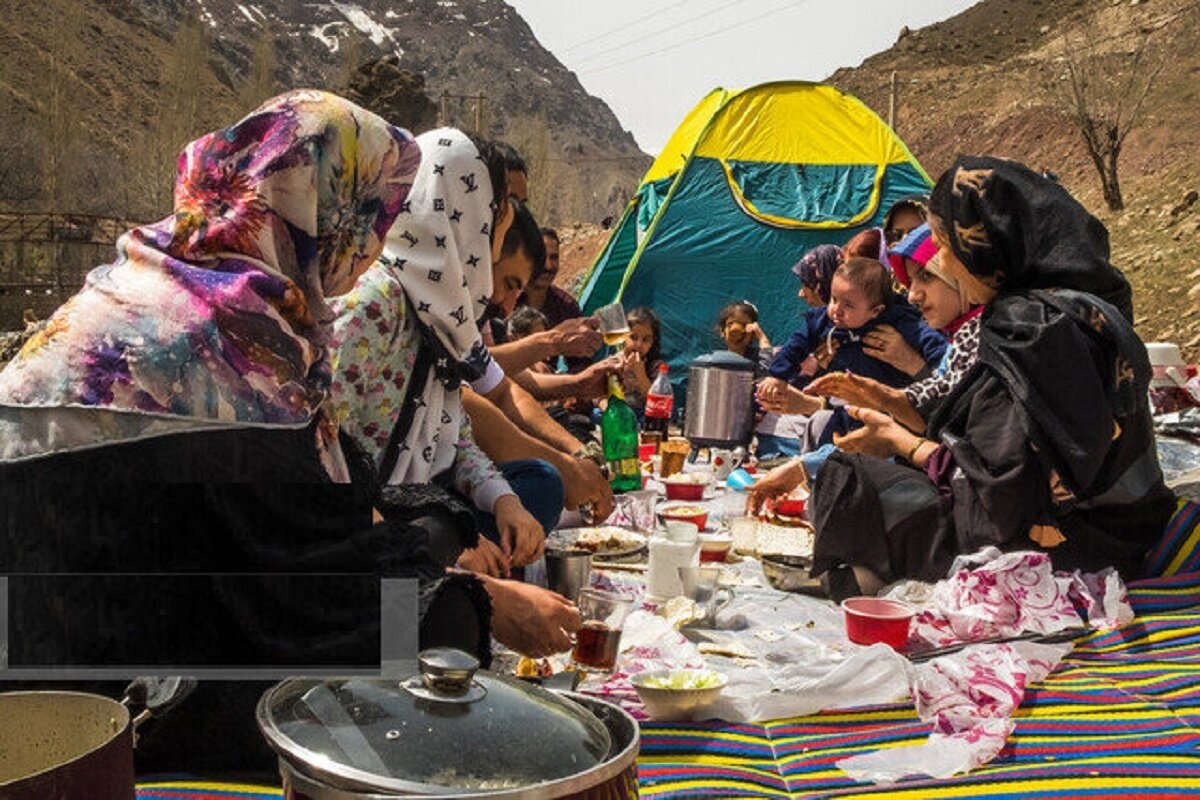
(720, 400)
(75, 746)
(451, 731)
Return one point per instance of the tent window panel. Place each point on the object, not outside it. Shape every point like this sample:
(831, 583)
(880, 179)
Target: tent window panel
(805, 193)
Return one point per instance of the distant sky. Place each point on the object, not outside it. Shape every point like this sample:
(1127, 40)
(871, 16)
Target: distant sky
(652, 60)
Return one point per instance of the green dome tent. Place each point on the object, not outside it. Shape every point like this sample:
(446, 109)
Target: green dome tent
(749, 182)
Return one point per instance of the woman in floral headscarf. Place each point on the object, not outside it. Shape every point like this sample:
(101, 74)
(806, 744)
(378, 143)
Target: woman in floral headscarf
(1045, 443)
(168, 422)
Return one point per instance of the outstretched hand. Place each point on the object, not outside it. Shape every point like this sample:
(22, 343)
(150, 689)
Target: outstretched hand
(532, 621)
(880, 435)
(854, 389)
(776, 483)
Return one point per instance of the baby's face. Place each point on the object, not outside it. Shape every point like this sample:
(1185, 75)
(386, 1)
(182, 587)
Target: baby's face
(849, 307)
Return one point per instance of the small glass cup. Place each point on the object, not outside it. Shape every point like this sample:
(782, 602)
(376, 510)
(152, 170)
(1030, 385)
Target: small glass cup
(599, 639)
(613, 325)
(702, 585)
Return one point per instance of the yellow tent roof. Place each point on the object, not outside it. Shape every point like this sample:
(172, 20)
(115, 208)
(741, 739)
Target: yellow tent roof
(760, 124)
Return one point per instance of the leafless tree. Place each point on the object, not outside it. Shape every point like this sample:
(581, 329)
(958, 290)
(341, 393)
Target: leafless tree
(1105, 93)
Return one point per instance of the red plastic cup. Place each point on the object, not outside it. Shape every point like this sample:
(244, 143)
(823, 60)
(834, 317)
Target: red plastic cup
(873, 619)
(647, 451)
(790, 508)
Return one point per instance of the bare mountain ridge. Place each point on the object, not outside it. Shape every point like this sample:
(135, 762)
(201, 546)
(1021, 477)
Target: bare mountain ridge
(126, 79)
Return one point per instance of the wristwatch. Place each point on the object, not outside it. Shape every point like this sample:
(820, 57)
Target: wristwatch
(592, 451)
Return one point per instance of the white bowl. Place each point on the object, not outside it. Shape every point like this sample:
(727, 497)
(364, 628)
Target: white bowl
(676, 705)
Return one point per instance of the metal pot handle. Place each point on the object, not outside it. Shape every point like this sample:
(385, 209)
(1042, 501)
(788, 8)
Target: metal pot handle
(153, 697)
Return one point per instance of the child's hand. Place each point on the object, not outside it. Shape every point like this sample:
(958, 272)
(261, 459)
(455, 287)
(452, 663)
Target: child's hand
(753, 330)
(886, 344)
(634, 371)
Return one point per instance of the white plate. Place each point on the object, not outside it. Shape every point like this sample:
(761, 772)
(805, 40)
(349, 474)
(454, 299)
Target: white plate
(630, 542)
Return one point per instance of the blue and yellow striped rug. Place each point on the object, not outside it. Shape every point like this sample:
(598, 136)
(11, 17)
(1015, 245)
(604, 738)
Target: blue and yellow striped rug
(1120, 717)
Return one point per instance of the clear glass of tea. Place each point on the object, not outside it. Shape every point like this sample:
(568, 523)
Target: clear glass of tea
(599, 639)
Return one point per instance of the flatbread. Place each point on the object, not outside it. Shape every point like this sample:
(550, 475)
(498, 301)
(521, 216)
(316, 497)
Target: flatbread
(728, 649)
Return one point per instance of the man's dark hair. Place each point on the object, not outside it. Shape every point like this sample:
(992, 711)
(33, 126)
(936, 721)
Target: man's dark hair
(523, 320)
(550, 233)
(525, 235)
(512, 159)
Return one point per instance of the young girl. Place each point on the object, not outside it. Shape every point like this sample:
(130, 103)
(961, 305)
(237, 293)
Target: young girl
(737, 325)
(641, 356)
(860, 301)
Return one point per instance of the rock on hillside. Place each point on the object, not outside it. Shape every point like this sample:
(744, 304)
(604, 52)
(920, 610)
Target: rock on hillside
(126, 82)
(973, 83)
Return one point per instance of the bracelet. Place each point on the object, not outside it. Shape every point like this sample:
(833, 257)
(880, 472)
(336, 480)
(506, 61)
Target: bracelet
(912, 454)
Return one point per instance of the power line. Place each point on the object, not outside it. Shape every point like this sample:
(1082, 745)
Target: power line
(625, 26)
(786, 6)
(654, 34)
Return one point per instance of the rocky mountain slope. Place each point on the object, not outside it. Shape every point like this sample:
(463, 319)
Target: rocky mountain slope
(101, 93)
(982, 82)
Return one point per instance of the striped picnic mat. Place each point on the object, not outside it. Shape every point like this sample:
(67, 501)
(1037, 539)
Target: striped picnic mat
(1120, 717)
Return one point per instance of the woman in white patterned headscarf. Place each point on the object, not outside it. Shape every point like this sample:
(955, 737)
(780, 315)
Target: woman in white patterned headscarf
(407, 338)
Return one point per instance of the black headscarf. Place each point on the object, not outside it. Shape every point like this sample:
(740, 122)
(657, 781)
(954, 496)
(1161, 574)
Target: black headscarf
(1059, 333)
(816, 268)
(1015, 230)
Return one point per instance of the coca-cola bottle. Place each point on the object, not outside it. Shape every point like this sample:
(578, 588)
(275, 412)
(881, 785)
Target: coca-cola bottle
(660, 402)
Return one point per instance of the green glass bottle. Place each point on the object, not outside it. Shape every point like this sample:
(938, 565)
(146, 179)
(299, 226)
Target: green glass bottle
(619, 433)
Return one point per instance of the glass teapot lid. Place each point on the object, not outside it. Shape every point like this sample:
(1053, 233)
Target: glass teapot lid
(448, 728)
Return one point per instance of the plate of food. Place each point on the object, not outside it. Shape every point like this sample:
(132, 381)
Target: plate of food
(603, 541)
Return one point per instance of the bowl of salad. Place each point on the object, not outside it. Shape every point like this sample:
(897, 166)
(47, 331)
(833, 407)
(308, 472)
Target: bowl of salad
(675, 695)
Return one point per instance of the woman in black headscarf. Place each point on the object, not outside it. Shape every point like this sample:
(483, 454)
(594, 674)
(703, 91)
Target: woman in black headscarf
(1045, 443)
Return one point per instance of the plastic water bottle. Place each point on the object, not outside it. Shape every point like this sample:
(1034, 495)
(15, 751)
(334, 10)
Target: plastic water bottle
(660, 402)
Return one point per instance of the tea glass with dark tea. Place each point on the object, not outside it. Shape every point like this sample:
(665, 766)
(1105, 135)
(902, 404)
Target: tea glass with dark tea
(599, 639)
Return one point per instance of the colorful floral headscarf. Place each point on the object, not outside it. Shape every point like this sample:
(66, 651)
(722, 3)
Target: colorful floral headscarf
(217, 314)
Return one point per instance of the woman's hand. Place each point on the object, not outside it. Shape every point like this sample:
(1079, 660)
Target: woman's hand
(776, 483)
(886, 344)
(771, 390)
(854, 389)
(880, 435)
(534, 622)
(521, 536)
(792, 401)
(485, 559)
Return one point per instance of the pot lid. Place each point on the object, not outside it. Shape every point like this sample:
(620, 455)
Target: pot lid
(448, 728)
(723, 359)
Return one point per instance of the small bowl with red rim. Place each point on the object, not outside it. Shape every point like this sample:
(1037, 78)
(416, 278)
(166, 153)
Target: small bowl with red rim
(685, 512)
(874, 619)
(687, 486)
(715, 547)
